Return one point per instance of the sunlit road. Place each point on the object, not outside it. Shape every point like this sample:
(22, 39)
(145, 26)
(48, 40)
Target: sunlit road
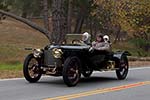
(101, 86)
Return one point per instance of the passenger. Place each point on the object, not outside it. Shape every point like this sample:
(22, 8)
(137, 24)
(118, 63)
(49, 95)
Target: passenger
(99, 50)
(107, 40)
(86, 37)
(100, 44)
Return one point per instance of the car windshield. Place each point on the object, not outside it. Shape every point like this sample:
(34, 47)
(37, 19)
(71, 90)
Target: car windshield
(73, 39)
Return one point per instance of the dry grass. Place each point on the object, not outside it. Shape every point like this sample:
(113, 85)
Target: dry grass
(14, 37)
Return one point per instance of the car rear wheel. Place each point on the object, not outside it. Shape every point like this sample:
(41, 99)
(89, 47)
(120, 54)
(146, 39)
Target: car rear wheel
(71, 71)
(123, 68)
(31, 69)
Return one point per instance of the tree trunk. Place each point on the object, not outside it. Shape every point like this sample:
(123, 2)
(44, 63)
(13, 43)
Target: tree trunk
(118, 28)
(45, 14)
(24, 11)
(24, 14)
(31, 24)
(69, 20)
(79, 24)
(59, 21)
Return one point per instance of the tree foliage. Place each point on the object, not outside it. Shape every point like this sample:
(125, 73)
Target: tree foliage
(112, 17)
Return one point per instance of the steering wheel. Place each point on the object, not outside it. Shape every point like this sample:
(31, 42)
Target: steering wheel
(75, 41)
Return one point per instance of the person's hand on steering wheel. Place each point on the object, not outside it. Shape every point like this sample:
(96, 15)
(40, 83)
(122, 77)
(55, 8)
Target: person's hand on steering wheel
(91, 49)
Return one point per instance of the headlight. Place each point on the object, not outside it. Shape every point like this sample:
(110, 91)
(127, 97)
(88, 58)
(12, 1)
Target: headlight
(57, 53)
(37, 53)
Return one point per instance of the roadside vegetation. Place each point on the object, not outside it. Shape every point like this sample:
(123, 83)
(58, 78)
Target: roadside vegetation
(12, 44)
(14, 38)
(10, 70)
(12, 67)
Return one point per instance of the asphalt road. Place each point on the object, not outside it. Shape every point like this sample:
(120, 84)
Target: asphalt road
(101, 86)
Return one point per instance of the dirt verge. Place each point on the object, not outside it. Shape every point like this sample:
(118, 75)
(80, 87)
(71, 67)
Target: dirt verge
(139, 63)
(5, 74)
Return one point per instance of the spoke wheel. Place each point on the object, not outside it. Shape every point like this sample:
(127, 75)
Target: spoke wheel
(71, 71)
(31, 69)
(123, 68)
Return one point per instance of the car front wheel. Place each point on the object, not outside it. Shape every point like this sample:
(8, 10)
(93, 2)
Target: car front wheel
(71, 71)
(31, 69)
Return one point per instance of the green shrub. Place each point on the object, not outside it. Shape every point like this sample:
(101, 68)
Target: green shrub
(142, 46)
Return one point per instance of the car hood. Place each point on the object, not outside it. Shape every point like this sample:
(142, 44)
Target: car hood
(70, 47)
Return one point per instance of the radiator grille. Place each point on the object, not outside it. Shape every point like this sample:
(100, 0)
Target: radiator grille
(49, 59)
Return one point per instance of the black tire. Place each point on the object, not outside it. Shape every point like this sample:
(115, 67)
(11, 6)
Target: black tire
(71, 71)
(34, 68)
(87, 73)
(123, 66)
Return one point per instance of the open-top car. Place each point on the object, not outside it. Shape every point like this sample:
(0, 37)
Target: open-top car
(72, 59)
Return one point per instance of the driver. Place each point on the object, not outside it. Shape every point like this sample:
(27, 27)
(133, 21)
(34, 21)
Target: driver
(86, 37)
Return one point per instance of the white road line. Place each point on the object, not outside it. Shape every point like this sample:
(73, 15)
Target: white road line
(136, 68)
(13, 79)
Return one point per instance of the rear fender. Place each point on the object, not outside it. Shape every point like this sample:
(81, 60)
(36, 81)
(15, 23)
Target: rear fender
(119, 54)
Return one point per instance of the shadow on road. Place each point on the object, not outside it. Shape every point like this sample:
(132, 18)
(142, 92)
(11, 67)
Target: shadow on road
(95, 79)
(83, 81)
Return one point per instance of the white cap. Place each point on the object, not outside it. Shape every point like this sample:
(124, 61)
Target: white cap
(86, 33)
(106, 37)
(87, 36)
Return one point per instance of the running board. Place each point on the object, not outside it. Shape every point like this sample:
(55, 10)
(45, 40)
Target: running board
(109, 69)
